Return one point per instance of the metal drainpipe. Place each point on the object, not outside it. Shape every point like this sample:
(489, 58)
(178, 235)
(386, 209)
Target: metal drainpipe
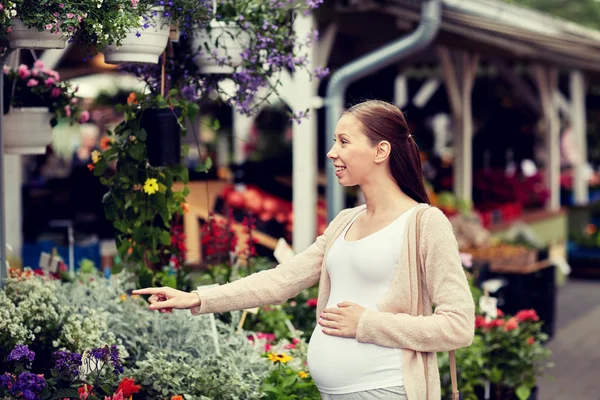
(420, 38)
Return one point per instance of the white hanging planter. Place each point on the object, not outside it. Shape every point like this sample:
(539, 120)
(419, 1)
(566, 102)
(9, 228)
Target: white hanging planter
(232, 41)
(27, 130)
(145, 49)
(23, 37)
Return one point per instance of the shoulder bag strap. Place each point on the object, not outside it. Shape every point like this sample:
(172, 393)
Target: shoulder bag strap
(452, 356)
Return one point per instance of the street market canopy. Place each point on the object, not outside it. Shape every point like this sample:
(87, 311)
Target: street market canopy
(488, 27)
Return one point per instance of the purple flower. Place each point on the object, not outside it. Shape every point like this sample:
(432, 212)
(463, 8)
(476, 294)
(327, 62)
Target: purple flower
(321, 72)
(314, 3)
(6, 380)
(107, 354)
(29, 385)
(67, 362)
(21, 353)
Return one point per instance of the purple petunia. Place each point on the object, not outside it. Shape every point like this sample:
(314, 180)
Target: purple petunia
(28, 385)
(21, 353)
(108, 354)
(6, 380)
(67, 362)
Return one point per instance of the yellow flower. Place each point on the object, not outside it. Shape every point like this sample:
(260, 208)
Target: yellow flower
(302, 374)
(134, 296)
(151, 186)
(123, 297)
(281, 358)
(96, 156)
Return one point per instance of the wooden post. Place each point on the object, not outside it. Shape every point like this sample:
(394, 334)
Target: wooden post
(579, 126)
(460, 88)
(547, 82)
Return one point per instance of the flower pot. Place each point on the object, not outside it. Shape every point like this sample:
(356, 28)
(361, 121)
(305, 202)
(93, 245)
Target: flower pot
(23, 37)
(27, 130)
(232, 41)
(143, 49)
(163, 136)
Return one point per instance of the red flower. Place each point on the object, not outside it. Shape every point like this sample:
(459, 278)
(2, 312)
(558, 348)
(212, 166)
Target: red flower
(527, 315)
(312, 302)
(530, 340)
(90, 167)
(128, 387)
(480, 322)
(497, 323)
(511, 324)
(499, 313)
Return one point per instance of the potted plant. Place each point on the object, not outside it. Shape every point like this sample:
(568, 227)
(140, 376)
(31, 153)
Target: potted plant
(515, 354)
(250, 43)
(141, 201)
(34, 100)
(145, 42)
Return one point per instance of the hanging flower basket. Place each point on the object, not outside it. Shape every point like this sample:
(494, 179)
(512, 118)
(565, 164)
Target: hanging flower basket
(163, 136)
(23, 37)
(222, 42)
(144, 45)
(27, 130)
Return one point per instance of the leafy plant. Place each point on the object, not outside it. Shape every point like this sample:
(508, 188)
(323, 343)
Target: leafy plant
(141, 200)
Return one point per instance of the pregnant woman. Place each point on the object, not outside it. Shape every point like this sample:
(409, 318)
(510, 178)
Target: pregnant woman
(370, 341)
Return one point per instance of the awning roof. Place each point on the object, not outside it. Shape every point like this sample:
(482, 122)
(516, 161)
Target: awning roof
(493, 27)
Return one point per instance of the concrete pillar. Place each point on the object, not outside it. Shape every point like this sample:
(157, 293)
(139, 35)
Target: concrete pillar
(579, 126)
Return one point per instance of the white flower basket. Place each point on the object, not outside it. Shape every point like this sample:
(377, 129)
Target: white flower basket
(27, 130)
(23, 37)
(230, 36)
(145, 49)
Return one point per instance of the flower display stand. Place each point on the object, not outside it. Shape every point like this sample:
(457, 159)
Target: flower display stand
(23, 37)
(141, 47)
(27, 130)
(232, 41)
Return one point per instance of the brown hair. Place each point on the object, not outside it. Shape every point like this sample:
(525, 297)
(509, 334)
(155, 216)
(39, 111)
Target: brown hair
(384, 121)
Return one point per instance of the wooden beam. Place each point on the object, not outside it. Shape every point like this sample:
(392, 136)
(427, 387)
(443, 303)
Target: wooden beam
(579, 126)
(520, 86)
(547, 82)
(450, 79)
(459, 89)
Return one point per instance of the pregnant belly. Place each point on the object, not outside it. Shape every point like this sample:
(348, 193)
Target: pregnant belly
(340, 365)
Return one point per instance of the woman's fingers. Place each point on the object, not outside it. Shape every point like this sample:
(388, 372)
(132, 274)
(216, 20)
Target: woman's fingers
(159, 305)
(148, 291)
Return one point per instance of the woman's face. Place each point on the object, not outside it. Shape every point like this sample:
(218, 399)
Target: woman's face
(352, 153)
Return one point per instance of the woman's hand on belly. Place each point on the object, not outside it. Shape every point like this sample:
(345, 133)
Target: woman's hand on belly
(342, 320)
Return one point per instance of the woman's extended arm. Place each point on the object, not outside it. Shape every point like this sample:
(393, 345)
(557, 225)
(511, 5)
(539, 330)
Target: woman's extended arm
(273, 286)
(452, 324)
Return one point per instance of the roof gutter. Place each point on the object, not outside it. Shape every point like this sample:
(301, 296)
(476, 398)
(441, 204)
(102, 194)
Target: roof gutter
(405, 46)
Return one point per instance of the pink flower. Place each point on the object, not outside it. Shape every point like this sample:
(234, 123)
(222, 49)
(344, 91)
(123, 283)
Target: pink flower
(55, 14)
(6, 69)
(68, 111)
(24, 71)
(39, 64)
(85, 116)
(32, 82)
(118, 396)
(79, 18)
(10, 29)
(1, 7)
(49, 82)
(70, 15)
(48, 27)
(134, 2)
(55, 92)
(61, 5)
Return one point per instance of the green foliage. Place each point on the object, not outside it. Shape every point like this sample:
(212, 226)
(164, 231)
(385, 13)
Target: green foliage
(584, 12)
(141, 201)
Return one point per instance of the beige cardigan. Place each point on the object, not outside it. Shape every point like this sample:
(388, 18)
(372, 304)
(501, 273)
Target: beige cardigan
(451, 325)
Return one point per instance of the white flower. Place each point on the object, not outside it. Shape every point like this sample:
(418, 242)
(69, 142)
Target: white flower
(13, 13)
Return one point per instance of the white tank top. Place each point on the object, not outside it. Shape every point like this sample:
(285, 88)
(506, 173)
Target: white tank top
(360, 271)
